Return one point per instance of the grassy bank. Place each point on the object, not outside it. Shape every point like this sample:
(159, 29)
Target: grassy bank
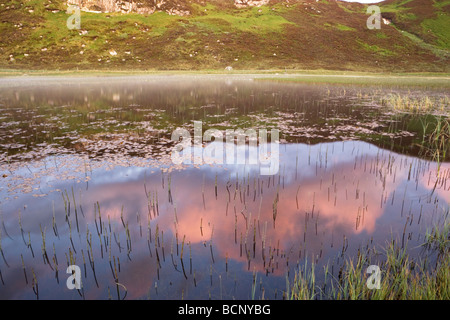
(287, 75)
(277, 73)
(381, 79)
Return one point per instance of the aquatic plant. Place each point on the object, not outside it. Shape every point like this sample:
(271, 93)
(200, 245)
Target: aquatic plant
(436, 144)
(416, 104)
(402, 277)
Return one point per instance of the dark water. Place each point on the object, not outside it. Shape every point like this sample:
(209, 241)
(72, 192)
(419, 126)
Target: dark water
(87, 180)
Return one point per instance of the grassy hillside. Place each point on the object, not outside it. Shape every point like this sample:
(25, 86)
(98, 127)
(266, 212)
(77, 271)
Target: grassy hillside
(427, 19)
(323, 34)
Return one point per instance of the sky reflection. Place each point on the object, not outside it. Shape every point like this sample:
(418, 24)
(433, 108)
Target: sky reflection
(204, 231)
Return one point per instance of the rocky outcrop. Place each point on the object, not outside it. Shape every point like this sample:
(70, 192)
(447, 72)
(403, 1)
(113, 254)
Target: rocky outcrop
(127, 6)
(172, 7)
(250, 3)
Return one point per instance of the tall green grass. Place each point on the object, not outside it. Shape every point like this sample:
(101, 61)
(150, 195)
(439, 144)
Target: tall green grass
(403, 277)
(435, 145)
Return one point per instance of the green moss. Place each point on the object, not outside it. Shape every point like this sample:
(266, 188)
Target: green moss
(260, 20)
(381, 35)
(344, 27)
(376, 49)
(441, 4)
(348, 10)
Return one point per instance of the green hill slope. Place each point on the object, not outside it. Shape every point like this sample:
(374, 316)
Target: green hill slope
(323, 34)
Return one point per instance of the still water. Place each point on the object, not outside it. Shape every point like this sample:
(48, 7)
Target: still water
(87, 180)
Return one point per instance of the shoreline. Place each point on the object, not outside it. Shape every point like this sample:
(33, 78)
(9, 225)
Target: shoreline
(304, 72)
(13, 78)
